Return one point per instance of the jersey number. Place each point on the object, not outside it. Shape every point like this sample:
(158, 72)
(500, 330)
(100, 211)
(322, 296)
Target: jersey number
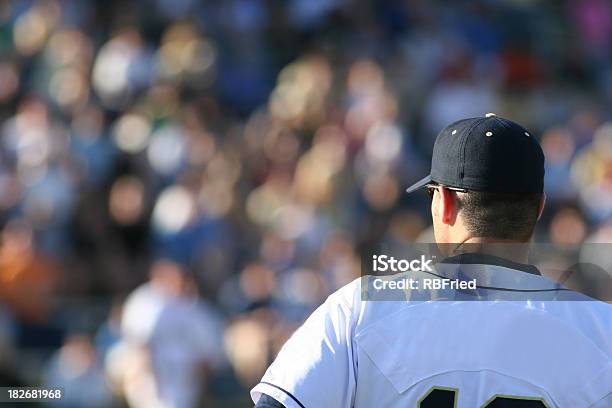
(442, 397)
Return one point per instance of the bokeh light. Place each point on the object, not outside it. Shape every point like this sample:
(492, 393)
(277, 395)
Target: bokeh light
(166, 150)
(127, 200)
(131, 132)
(174, 208)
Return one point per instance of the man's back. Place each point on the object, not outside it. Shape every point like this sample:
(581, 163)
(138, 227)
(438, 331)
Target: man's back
(476, 351)
(531, 353)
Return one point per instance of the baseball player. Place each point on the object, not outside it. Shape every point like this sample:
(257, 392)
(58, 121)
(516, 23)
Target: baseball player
(526, 343)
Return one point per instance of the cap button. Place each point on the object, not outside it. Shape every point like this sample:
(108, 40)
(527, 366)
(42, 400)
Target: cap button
(488, 115)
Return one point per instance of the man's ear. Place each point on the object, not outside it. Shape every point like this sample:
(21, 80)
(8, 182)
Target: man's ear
(448, 205)
(542, 202)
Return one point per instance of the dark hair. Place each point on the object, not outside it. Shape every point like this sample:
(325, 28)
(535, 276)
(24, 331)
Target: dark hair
(500, 215)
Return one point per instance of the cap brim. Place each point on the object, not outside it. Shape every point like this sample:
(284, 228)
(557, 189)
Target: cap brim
(419, 184)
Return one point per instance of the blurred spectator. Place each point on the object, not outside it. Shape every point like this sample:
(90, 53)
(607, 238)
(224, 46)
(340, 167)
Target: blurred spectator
(27, 278)
(77, 369)
(181, 334)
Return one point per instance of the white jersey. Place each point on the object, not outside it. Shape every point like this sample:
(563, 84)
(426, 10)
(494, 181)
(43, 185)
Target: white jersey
(445, 354)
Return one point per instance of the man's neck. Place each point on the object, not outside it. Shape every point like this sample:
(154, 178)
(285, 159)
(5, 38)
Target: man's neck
(512, 250)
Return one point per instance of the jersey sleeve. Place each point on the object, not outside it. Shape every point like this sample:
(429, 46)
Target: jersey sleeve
(315, 367)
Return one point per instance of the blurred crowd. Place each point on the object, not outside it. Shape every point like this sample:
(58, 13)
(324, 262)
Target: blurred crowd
(182, 182)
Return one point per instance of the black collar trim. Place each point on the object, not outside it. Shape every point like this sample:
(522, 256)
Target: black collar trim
(473, 258)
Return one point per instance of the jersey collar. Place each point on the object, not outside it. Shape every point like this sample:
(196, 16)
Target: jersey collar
(472, 258)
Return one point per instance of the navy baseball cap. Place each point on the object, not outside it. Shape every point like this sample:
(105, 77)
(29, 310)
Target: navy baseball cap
(490, 154)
